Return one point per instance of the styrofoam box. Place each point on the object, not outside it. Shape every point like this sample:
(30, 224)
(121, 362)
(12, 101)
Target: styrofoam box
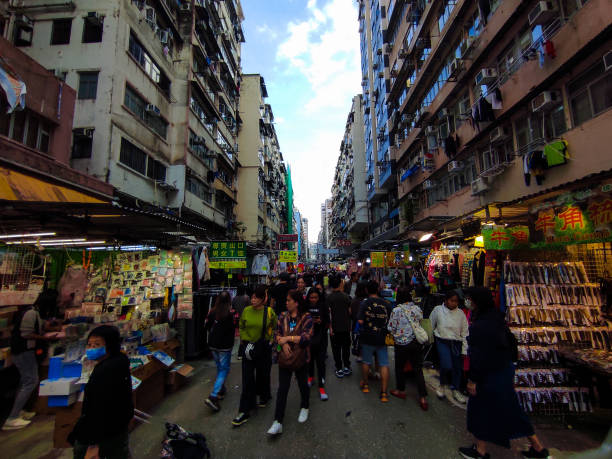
(60, 386)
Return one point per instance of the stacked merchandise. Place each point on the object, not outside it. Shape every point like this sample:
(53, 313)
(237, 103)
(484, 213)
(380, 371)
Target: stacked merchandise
(550, 306)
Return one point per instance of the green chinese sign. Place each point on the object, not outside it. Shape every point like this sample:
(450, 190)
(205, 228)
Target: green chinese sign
(505, 238)
(227, 249)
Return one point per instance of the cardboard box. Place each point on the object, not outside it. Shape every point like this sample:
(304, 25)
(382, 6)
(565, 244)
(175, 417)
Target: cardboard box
(60, 386)
(177, 377)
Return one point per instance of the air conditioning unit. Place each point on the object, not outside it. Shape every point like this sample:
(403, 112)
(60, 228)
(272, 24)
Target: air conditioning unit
(23, 20)
(455, 67)
(186, 7)
(486, 76)
(153, 109)
(403, 53)
(466, 45)
(607, 60)
(479, 186)
(431, 131)
(542, 13)
(94, 17)
(454, 166)
(24, 35)
(150, 14)
(83, 132)
(544, 100)
(498, 134)
(428, 184)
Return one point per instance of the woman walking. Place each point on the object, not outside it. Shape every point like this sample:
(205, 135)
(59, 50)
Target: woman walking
(407, 348)
(319, 312)
(220, 323)
(493, 412)
(450, 329)
(257, 325)
(293, 334)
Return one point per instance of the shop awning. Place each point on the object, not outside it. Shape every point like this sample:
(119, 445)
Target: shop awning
(15, 186)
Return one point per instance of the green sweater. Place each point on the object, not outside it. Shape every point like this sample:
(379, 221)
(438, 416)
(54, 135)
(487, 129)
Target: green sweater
(251, 321)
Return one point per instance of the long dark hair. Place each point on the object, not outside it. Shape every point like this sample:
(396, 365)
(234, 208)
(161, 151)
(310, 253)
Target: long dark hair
(482, 300)
(222, 306)
(111, 337)
(299, 299)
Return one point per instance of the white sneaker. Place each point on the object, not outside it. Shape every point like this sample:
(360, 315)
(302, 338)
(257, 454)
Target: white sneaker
(27, 415)
(303, 417)
(15, 424)
(276, 429)
(440, 392)
(448, 393)
(459, 396)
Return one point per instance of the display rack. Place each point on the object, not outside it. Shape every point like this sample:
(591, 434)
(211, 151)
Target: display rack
(550, 305)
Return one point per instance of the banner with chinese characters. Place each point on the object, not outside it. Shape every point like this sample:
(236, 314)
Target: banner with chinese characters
(574, 222)
(377, 259)
(505, 238)
(288, 256)
(394, 260)
(227, 249)
(228, 264)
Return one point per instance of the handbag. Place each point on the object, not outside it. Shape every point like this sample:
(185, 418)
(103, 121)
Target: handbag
(298, 357)
(258, 349)
(389, 340)
(419, 332)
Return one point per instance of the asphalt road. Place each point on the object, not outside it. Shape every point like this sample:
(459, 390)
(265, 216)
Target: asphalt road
(350, 425)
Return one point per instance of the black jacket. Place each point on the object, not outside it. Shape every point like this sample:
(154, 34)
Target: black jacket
(108, 406)
(222, 332)
(489, 345)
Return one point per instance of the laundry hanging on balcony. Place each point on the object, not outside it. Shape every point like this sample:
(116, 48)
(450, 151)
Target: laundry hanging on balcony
(13, 87)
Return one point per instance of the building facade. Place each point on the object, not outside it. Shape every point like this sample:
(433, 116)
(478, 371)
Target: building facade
(157, 95)
(380, 168)
(262, 193)
(480, 89)
(349, 220)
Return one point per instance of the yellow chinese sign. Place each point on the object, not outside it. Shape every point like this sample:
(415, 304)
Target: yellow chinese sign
(231, 264)
(227, 249)
(377, 259)
(287, 256)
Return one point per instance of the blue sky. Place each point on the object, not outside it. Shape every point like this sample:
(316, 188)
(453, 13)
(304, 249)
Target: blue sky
(308, 53)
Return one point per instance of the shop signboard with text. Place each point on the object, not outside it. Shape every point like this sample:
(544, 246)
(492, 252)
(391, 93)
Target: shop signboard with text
(288, 256)
(500, 237)
(227, 249)
(228, 264)
(377, 259)
(286, 238)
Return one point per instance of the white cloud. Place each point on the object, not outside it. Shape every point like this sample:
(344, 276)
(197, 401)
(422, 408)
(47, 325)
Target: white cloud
(324, 51)
(266, 30)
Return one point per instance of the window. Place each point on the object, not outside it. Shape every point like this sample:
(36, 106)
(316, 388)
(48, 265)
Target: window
(60, 31)
(25, 127)
(199, 188)
(591, 93)
(136, 159)
(82, 144)
(92, 28)
(88, 85)
(140, 54)
(143, 110)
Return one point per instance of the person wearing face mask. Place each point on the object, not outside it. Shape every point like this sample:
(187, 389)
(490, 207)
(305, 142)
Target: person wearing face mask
(102, 429)
(318, 345)
(450, 329)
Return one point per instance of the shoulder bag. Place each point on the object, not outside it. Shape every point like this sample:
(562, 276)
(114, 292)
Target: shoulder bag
(299, 356)
(419, 332)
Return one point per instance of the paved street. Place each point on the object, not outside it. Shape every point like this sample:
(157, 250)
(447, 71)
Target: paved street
(350, 424)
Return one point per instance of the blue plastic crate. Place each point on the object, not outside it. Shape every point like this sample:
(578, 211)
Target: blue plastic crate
(55, 367)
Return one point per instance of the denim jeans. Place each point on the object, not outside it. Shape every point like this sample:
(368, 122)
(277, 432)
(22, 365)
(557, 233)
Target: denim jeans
(28, 380)
(223, 360)
(451, 363)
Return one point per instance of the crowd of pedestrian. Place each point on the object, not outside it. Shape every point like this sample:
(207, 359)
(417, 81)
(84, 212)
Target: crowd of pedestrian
(293, 321)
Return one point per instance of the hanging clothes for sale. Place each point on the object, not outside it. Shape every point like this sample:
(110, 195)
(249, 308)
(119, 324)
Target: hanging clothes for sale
(260, 266)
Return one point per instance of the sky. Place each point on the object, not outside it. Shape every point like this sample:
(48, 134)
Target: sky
(308, 53)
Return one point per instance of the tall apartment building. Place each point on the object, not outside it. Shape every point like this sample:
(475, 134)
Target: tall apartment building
(349, 219)
(380, 169)
(261, 177)
(479, 89)
(157, 95)
(306, 243)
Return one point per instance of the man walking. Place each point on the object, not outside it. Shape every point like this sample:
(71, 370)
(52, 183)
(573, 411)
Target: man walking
(373, 319)
(339, 305)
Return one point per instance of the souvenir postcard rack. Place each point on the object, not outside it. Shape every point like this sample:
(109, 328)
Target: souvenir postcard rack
(549, 305)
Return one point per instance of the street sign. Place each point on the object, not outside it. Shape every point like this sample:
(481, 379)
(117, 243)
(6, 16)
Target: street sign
(288, 256)
(344, 243)
(227, 249)
(286, 237)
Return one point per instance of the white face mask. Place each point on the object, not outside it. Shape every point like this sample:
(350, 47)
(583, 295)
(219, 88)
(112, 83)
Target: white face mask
(468, 304)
